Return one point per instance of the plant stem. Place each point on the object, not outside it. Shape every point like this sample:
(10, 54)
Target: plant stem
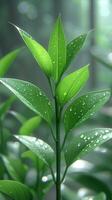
(58, 152)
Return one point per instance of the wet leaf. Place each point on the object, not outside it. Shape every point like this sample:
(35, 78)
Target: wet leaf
(7, 61)
(15, 190)
(71, 85)
(39, 147)
(30, 125)
(86, 142)
(74, 47)
(31, 96)
(38, 51)
(83, 107)
(57, 49)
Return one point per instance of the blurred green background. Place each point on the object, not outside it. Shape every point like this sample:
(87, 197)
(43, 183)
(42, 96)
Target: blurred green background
(79, 16)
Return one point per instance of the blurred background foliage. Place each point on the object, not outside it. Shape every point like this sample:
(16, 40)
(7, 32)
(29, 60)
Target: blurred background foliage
(79, 16)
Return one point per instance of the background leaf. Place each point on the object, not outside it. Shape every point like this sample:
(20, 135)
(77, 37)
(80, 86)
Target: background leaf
(15, 168)
(71, 84)
(83, 107)
(38, 51)
(30, 125)
(15, 190)
(31, 96)
(39, 147)
(85, 142)
(4, 107)
(74, 47)
(7, 61)
(57, 49)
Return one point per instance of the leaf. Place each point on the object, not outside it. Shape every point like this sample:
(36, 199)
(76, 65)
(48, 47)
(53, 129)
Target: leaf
(4, 107)
(18, 116)
(85, 142)
(83, 107)
(31, 96)
(39, 147)
(7, 61)
(39, 164)
(57, 49)
(15, 168)
(74, 47)
(100, 196)
(30, 125)
(15, 190)
(71, 84)
(38, 51)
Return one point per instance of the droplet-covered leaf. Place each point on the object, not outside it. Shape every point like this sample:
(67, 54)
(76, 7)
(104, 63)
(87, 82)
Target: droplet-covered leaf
(74, 47)
(83, 107)
(39, 147)
(30, 125)
(86, 142)
(31, 96)
(7, 61)
(71, 85)
(15, 190)
(57, 49)
(38, 51)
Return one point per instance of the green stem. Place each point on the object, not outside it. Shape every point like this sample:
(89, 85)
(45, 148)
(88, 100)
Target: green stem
(64, 174)
(58, 152)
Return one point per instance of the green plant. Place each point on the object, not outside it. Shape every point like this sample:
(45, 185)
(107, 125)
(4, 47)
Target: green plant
(64, 108)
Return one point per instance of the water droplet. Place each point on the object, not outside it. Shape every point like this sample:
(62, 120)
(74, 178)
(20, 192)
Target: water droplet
(65, 93)
(70, 109)
(82, 136)
(40, 93)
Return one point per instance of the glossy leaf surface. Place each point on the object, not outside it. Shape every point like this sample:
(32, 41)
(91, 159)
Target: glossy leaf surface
(86, 142)
(57, 49)
(83, 107)
(15, 190)
(31, 96)
(39, 147)
(71, 85)
(74, 47)
(38, 51)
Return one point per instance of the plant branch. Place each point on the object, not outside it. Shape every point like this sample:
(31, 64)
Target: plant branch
(58, 152)
(64, 174)
(53, 176)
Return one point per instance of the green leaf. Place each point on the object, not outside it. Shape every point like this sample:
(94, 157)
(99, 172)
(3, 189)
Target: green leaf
(71, 85)
(7, 61)
(4, 107)
(57, 49)
(38, 51)
(31, 96)
(100, 196)
(74, 47)
(39, 163)
(85, 142)
(39, 147)
(15, 190)
(83, 107)
(30, 125)
(15, 168)
(17, 116)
